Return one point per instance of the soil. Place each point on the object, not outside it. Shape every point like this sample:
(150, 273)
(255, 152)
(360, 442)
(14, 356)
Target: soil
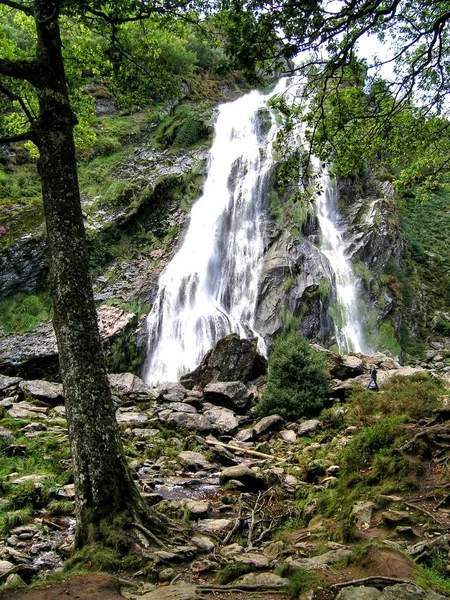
(383, 562)
(98, 586)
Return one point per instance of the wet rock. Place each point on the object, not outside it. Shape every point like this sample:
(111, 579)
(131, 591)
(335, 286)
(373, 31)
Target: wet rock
(221, 420)
(194, 461)
(359, 593)
(267, 424)
(46, 392)
(230, 394)
(250, 480)
(232, 359)
(128, 384)
(287, 256)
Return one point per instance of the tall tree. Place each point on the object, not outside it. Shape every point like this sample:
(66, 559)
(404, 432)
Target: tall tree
(104, 485)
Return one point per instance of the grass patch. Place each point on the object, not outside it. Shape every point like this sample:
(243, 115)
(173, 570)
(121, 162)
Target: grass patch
(23, 312)
(415, 397)
(233, 571)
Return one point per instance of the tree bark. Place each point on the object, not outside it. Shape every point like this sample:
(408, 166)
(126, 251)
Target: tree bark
(103, 482)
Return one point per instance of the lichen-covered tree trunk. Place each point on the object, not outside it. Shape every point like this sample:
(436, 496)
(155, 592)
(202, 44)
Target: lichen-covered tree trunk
(103, 483)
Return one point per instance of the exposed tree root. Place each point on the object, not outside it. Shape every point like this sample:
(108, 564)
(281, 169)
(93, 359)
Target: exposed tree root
(375, 580)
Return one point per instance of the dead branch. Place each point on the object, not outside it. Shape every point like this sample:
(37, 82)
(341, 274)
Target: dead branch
(425, 512)
(242, 450)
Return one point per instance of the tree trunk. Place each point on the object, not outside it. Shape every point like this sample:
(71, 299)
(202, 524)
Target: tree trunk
(103, 483)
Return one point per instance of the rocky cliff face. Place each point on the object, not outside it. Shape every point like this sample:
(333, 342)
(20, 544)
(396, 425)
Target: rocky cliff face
(298, 279)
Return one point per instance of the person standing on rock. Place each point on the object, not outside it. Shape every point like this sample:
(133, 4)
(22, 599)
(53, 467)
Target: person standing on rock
(373, 379)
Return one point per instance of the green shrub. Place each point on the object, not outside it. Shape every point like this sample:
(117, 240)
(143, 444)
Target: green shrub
(296, 380)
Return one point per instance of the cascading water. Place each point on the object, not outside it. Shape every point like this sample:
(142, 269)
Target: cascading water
(347, 322)
(210, 287)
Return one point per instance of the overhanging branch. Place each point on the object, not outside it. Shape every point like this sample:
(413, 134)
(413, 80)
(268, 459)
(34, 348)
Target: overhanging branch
(25, 8)
(18, 69)
(19, 137)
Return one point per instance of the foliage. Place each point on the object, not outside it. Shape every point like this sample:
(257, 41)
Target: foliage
(300, 581)
(296, 380)
(406, 146)
(22, 312)
(427, 231)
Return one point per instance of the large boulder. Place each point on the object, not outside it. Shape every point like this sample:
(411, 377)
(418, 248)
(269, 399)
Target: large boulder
(45, 392)
(230, 394)
(251, 480)
(128, 384)
(232, 359)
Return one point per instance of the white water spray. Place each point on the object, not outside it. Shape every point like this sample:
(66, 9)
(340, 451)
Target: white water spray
(347, 322)
(210, 287)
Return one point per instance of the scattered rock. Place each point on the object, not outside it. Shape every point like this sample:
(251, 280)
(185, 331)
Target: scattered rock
(362, 514)
(44, 391)
(194, 461)
(266, 424)
(308, 427)
(359, 593)
(251, 481)
(128, 384)
(230, 394)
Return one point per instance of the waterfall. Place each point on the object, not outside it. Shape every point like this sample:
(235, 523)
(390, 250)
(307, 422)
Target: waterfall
(346, 317)
(209, 289)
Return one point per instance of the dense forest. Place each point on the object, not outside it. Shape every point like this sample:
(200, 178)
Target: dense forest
(107, 115)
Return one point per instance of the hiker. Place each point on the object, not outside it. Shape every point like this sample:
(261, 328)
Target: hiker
(373, 379)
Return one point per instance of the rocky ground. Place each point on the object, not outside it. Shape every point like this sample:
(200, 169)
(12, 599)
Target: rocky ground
(249, 489)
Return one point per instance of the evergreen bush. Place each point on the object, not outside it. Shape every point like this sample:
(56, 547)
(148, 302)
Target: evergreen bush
(296, 380)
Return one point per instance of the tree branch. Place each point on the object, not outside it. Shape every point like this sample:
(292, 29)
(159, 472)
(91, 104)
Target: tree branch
(20, 137)
(28, 10)
(12, 97)
(18, 69)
